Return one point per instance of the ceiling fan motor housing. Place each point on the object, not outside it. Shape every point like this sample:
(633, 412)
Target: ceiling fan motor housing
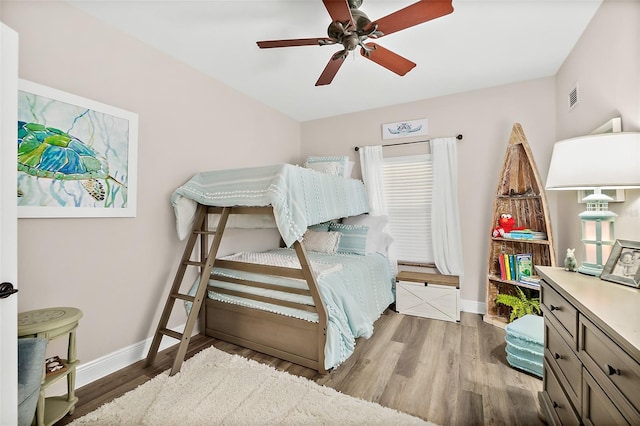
(344, 33)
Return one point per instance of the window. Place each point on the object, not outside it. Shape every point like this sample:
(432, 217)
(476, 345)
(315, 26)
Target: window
(407, 187)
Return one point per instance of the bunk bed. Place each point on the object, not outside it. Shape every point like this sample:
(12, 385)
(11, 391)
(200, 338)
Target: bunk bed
(306, 302)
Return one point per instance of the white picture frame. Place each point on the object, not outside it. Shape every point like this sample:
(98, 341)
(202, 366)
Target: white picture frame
(76, 157)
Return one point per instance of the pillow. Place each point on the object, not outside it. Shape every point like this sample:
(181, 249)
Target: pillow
(332, 165)
(349, 169)
(353, 238)
(323, 242)
(319, 227)
(383, 244)
(377, 240)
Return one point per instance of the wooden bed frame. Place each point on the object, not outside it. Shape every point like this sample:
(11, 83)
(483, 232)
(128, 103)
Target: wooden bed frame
(291, 339)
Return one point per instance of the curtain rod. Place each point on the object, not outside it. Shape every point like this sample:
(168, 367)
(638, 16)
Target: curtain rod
(459, 137)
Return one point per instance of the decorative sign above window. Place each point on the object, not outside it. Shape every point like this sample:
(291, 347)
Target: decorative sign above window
(403, 129)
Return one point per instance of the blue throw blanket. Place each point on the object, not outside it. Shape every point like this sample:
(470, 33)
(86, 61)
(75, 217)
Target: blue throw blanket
(300, 197)
(355, 295)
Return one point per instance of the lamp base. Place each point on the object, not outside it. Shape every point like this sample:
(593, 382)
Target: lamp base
(590, 269)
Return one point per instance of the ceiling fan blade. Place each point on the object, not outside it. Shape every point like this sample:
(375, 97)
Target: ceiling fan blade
(330, 71)
(414, 14)
(388, 59)
(338, 10)
(268, 44)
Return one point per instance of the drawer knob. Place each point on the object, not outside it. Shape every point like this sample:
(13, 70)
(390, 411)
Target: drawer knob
(612, 370)
(557, 355)
(555, 405)
(554, 308)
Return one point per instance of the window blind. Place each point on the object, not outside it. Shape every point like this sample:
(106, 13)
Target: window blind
(408, 187)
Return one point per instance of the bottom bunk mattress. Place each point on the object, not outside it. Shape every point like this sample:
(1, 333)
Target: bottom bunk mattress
(355, 289)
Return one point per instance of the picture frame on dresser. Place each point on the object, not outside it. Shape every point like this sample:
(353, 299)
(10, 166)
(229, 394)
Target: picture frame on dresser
(623, 265)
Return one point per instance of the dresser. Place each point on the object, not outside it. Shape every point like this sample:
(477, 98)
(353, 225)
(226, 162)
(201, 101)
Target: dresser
(591, 368)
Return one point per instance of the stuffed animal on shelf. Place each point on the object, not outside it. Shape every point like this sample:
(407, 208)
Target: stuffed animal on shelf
(570, 263)
(506, 224)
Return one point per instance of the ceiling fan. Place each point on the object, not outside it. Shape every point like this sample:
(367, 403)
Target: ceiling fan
(351, 28)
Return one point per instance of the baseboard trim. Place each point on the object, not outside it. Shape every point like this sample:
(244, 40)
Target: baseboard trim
(103, 366)
(472, 306)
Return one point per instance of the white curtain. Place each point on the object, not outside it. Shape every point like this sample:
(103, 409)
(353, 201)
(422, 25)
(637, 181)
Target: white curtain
(445, 215)
(371, 165)
(372, 168)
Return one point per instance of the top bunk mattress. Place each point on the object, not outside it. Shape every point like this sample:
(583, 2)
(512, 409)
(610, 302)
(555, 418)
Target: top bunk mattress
(299, 197)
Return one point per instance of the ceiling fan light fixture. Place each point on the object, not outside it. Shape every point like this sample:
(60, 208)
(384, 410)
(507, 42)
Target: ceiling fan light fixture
(351, 28)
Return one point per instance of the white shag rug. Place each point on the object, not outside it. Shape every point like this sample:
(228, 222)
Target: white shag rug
(214, 387)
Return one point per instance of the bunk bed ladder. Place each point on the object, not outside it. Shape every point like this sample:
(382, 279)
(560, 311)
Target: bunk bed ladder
(199, 232)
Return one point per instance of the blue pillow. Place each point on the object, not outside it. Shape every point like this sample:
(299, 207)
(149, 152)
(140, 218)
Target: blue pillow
(320, 227)
(353, 239)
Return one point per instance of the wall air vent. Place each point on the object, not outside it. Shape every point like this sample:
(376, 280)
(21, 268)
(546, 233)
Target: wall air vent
(573, 97)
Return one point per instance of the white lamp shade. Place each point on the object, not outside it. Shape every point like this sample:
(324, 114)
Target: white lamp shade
(607, 161)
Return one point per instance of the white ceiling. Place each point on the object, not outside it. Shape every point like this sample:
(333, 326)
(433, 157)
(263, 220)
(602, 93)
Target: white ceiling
(483, 43)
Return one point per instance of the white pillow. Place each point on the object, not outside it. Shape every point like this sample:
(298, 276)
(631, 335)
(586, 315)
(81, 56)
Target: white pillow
(377, 240)
(384, 243)
(334, 169)
(323, 242)
(348, 169)
(336, 166)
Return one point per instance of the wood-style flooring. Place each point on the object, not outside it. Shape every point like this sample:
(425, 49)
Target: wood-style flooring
(444, 372)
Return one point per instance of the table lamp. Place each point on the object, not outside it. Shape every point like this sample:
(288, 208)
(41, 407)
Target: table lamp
(596, 162)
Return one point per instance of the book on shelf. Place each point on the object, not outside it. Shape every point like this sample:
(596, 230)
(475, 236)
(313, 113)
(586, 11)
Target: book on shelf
(503, 270)
(507, 267)
(531, 280)
(525, 234)
(524, 265)
(516, 267)
(513, 272)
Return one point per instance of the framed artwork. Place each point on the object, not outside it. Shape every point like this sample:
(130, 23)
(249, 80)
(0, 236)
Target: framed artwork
(403, 129)
(76, 157)
(623, 265)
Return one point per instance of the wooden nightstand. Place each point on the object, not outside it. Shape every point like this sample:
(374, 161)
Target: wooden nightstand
(51, 323)
(428, 294)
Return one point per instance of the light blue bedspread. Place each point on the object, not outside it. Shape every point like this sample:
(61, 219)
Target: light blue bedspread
(300, 197)
(354, 294)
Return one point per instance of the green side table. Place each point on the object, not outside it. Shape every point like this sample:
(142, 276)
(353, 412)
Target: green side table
(51, 323)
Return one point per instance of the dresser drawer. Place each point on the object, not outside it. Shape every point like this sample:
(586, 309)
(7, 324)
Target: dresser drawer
(609, 363)
(597, 408)
(564, 360)
(559, 402)
(563, 312)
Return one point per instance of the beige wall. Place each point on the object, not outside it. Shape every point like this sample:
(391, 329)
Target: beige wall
(118, 271)
(484, 118)
(605, 63)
